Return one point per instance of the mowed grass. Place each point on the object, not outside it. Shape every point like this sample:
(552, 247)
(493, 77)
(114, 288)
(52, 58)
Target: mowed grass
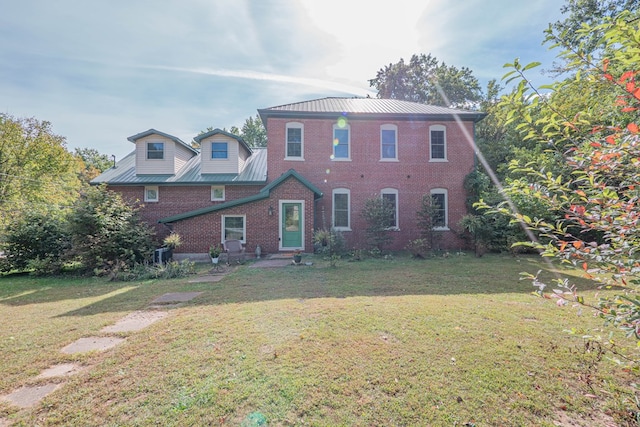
(446, 341)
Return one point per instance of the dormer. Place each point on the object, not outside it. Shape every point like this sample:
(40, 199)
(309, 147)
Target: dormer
(222, 152)
(158, 153)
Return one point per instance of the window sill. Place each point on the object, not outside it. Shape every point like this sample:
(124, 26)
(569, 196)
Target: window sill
(341, 160)
(342, 228)
(441, 229)
(393, 229)
(438, 161)
(295, 159)
(389, 160)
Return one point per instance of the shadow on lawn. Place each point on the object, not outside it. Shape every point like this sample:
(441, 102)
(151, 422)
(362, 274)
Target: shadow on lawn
(371, 278)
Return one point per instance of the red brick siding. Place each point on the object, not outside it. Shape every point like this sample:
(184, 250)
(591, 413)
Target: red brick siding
(412, 175)
(174, 200)
(198, 233)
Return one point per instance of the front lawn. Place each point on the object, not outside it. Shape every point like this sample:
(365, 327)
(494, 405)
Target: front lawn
(446, 341)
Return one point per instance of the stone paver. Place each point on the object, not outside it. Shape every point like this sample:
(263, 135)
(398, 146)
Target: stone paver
(85, 345)
(209, 278)
(135, 321)
(272, 263)
(26, 397)
(61, 370)
(175, 297)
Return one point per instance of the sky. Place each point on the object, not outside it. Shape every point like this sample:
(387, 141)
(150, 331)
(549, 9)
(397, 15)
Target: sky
(101, 71)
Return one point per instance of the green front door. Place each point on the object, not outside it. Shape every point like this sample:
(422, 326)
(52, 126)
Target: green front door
(291, 225)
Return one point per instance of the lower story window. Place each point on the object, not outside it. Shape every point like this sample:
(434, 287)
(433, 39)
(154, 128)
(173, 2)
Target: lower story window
(151, 194)
(439, 200)
(234, 227)
(341, 211)
(390, 197)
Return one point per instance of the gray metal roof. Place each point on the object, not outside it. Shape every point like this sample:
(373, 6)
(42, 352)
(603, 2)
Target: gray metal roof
(367, 108)
(124, 173)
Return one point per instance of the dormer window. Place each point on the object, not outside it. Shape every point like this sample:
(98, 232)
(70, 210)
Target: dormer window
(155, 150)
(219, 150)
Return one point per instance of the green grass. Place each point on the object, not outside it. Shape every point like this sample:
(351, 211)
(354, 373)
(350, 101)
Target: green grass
(378, 342)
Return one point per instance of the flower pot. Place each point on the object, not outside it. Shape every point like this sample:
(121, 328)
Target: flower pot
(297, 258)
(215, 260)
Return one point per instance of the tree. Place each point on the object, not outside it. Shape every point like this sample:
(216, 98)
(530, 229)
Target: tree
(376, 212)
(107, 233)
(597, 226)
(36, 236)
(590, 13)
(36, 170)
(424, 80)
(254, 132)
(94, 162)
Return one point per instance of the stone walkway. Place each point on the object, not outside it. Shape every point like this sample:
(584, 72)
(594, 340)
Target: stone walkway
(28, 396)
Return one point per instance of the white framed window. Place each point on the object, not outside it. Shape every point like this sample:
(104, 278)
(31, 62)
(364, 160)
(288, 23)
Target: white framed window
(151, 193)
(341, 141)
(341, 210)
(234, 227)
(390, 195)
(437, 143)
(217, 193)
(388, 142)
(219, 150)
(440, 201)
(295, 141)
(155, 150)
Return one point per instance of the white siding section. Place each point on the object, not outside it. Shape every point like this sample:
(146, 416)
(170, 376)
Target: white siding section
(232, 164)
(145, 166)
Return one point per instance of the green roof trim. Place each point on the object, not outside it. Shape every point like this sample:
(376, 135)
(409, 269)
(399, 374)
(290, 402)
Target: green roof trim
(263, 194)
(217, 131)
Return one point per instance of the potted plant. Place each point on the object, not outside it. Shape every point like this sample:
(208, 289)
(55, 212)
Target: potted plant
(297, 256)
(171, 242)
(214, 253)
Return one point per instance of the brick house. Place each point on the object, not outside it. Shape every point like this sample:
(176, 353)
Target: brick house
(325, 158)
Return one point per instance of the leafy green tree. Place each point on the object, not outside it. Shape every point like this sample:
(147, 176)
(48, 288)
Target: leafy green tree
(376, 212)
(590, 13)
(598, 215)
(94, 163)
(254, 132)
(36, 235)
(423, 80)
(107, 233)
(36, 170)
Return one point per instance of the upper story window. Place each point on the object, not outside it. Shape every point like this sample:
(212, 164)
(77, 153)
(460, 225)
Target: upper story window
(438, 143)
(389, 142)
(295, 143)
(151, 194)
(341, 141)
(341, 209)
(155, 150)
(390, 196)
(439, 200)
(217, 193)
(219, 150)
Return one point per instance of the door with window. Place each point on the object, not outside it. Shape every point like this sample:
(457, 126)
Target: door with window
(292, 225)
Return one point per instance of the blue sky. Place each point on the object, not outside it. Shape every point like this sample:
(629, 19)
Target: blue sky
(102, 71)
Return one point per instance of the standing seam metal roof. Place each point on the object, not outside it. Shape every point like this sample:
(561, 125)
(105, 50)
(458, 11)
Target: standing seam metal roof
(337, 105)
(254, 172)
